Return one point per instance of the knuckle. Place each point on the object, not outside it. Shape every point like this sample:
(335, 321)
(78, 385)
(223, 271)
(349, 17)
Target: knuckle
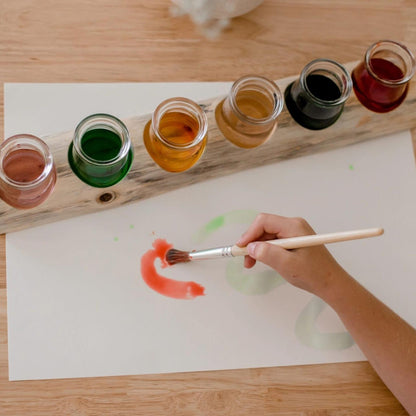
(300, 222)
(260, 218)
(303, 225)
(262, 251)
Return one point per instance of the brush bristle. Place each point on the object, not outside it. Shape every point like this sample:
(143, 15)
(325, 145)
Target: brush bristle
(174, 256)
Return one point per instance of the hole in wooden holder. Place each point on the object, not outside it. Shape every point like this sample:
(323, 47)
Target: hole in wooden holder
(106, 197)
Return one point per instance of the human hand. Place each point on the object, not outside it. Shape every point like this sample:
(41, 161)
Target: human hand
(312, 268)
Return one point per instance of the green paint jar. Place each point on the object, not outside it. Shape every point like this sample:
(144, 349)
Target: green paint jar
(101, 153)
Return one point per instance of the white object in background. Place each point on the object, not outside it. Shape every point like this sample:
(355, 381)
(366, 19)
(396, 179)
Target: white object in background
(213, 15)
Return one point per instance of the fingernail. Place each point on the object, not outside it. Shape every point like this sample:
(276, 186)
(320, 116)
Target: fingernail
(251, 248)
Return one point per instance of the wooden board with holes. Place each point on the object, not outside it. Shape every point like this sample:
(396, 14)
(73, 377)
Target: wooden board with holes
(72, 197)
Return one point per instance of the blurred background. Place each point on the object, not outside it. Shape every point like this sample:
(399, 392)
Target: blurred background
(163, 40)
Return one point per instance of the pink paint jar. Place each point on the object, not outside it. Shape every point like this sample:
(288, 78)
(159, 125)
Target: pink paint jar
(27, 171)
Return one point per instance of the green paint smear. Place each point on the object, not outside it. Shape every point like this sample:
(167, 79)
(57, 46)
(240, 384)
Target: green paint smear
(115, 238)
(131, 226)
(310, 336)
(260, 283)
(254, 283)
(351, 167)
(241, 216)
(214, 224)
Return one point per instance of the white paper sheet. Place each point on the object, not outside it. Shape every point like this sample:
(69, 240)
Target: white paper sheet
(78, 307)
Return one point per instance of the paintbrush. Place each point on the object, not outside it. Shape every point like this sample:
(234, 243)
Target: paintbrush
(174, 256)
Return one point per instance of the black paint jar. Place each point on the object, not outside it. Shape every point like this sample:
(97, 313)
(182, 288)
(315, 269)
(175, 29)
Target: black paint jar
(316, 99)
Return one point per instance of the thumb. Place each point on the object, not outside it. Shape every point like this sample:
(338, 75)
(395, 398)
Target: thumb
(267, 253)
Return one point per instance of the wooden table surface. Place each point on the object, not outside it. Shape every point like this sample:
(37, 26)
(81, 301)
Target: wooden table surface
(138, 40)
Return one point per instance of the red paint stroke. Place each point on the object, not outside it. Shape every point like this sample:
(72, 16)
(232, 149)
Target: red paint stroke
(167, 287)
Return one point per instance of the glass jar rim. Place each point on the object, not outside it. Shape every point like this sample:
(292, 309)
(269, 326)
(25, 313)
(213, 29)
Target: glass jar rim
(345, 93)
(185, 105)
(405, 49)
(101, 119)
(33, 142)
(271, 85)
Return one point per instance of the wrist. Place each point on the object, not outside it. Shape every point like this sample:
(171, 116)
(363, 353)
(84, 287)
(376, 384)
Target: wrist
(334, 286)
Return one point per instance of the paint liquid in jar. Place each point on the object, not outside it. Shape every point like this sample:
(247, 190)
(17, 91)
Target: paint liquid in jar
(178, 129)
(103, 167)
(250, 121)
(373, 93)
(304, 107)
(316, 99)
(25, 186)
(254, 104)
(101, 144)
(23, 165)
(101, 152)
(323, 87)
(173, 143)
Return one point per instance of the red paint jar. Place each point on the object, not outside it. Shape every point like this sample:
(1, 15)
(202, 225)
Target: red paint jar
(27, 171)
(381, 80)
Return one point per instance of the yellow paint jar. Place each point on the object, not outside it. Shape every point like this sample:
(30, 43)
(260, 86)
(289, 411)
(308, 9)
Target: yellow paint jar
(176, 135)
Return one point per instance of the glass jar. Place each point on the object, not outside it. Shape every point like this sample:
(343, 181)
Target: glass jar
(27, 171)
(247, 117)
(176, 135)
(316, 99)
(101, 153)
(381, 80)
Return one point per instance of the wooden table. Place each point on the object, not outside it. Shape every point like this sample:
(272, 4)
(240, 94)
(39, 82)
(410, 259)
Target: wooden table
(138, 40)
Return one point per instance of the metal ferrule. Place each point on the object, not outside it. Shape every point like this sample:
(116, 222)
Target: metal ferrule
(211, 253)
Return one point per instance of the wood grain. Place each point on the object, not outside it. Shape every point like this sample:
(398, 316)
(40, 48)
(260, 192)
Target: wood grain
(137, 40)
(72, 197)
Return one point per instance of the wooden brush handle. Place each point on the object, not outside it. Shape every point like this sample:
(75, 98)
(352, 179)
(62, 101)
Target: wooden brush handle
(315, 240)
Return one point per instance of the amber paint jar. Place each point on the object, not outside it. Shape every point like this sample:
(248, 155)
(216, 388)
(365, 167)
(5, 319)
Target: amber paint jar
(247, 117)
(176, 135)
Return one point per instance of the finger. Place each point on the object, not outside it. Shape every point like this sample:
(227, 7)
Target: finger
(273, 256)
(249, 262)
(264, 237)
(269, 225)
